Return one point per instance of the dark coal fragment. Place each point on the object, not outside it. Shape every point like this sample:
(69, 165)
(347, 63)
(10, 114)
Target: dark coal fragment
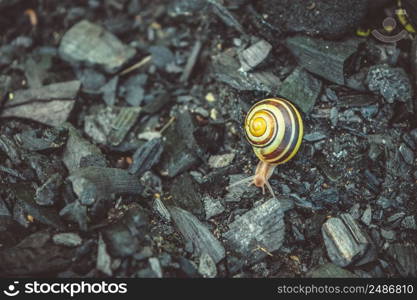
(46, 215)
(181, 148)
(50, 104)
(254, 55)
(35, 255)
(160, 101)
(186, 7)
(77, 213)
(301, 88)
(257, 232)
(329, 19)
(314, 136)
(104, 260)
(78, 149)
(225, 67)
(91, 80)
(330, 196)
(330, 270)
(67, 239)
(95, 183)
(198, 234)
(188, 268)
(185, 194)
(391, 83)
(134, 89)
(10, 148)
(191, 61)
(327, 59)
(346, 243)
(43, 165)
(407, 154)
(109, 53)
(405, 257)
(110, 125)
(38, 140)
(126, 237)
(48, 193)
(109, 91)
(161, 56)
(210, 137)
(146, 157)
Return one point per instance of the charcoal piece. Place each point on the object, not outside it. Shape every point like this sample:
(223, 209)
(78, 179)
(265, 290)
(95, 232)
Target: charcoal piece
(327, 59)
(4, 85)
(159, 102)
(10, 148)
(391, 83)
(225, 15)
(89, 43)
(109, 91)
(210, 137)
(10, 231)
(120, 241)
(221, 160)
(19, 260)
(191, 61)
(134, 89)
(94, 183)
(161, 209)
(57, 91)
(161, 56)
(405, 257)
(43, 165)
(126, 237)
(67, 239)
(333, 173)
(367, 216)
(77, 213)
(198, 234)
(407, 154)
(357, 100)
(330, 196)
(314, 136)
(225, 68)
(408, 222)
(146, 157)
(254, 55)
(330, 270)
(186, 7)
(39, 140)
(329, 19)
(104, 260)
(206, 266)
(346, 243)
(48, 193)
(236, 192)
(4, 211)
(257, 232)
(110, 125)
(46, 215)
(185, 194)
(78, 148)
(301, 88)
(180, 148)
(91, 80)
(155, 266)
(50, 104)
(388, 234)
(212, 207)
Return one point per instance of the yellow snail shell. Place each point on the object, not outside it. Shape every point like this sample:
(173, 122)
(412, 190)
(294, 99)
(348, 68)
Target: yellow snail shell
(274, 128)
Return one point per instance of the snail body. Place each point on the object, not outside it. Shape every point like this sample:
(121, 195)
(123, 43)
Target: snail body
(274, 128)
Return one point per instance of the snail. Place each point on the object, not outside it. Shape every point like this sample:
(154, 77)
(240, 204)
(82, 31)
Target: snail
(274, 128)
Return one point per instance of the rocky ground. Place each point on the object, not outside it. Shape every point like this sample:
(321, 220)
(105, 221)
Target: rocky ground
(121, 127)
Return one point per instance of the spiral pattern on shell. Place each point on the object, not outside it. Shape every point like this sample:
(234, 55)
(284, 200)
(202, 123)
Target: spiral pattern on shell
(274, 128)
